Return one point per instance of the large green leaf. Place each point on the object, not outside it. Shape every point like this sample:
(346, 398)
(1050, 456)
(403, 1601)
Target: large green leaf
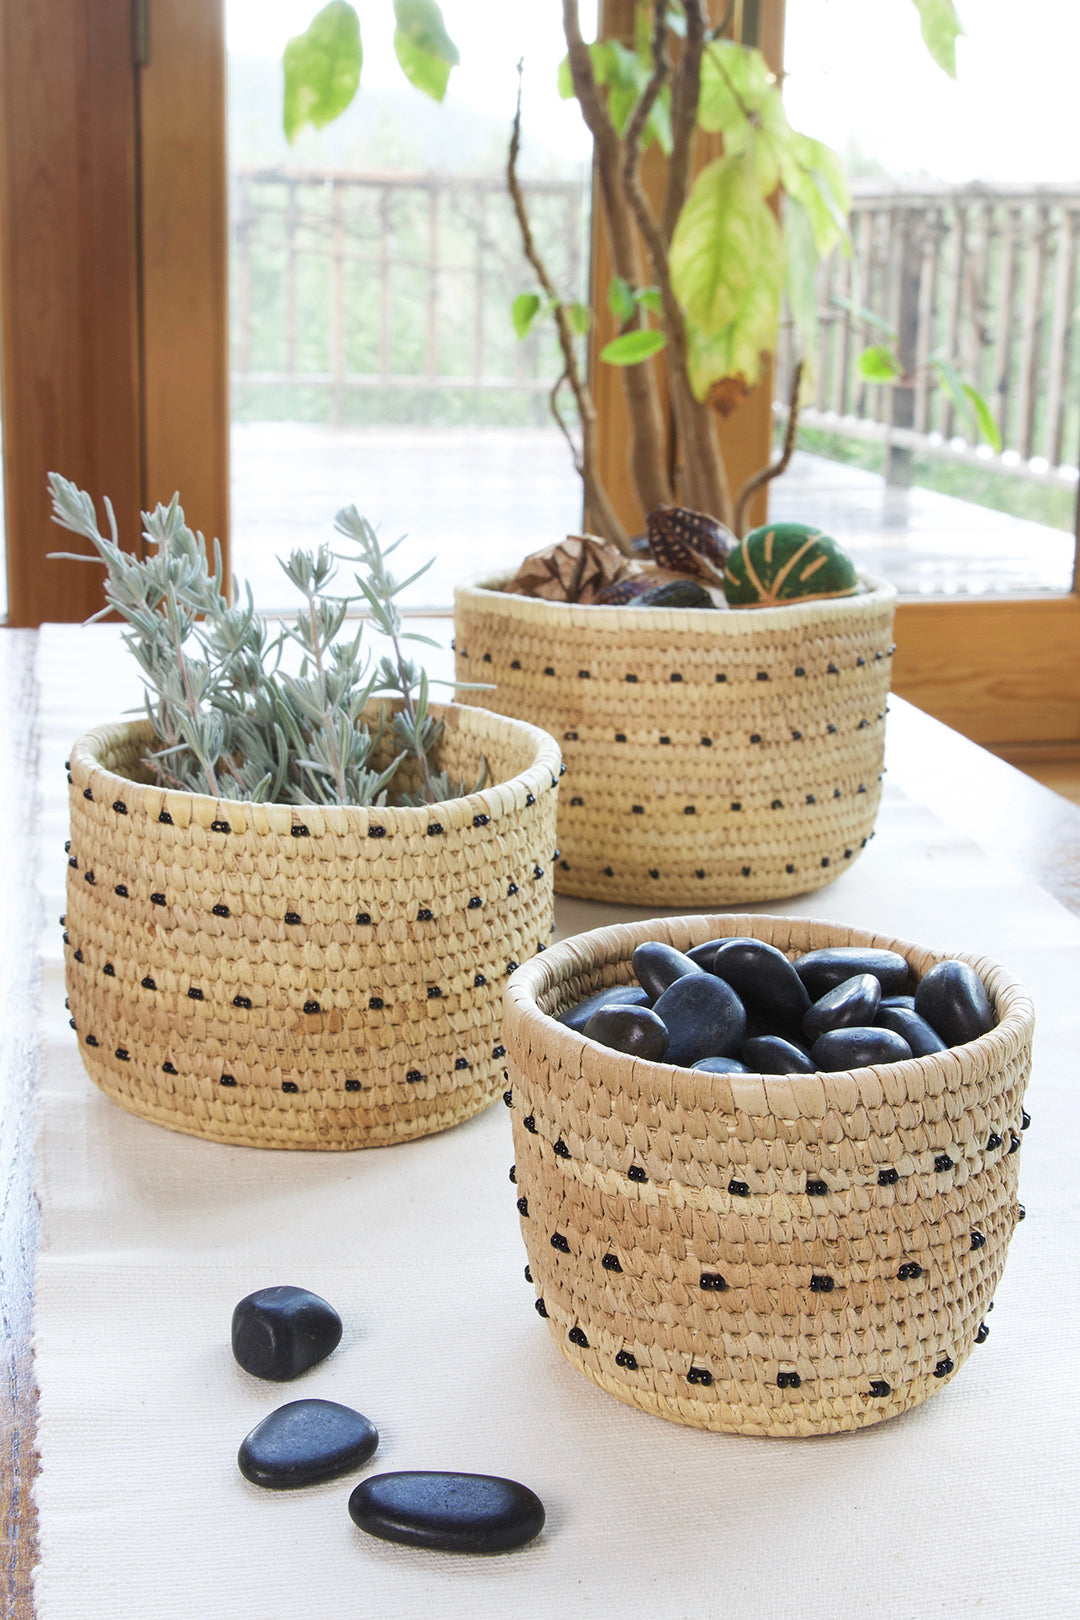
(813, 174)
(624, 73)
(423, 47)
(740, 99)
(322, 68)
(724, 366)
(726, 236)
(940, 28)
(633, 347)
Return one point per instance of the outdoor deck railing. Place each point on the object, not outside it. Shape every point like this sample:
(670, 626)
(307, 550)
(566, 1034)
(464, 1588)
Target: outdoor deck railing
(345, 283)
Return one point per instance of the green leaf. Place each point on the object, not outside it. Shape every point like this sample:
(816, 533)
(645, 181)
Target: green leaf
(525, 310)
(564, 80)
(423, 47)
(736, 355)
(726, 236)
(940, 29)
(621, 300)
(633, 347)
(987, 426)
(879, 364)
(735, 81)
(649, 298)
(579, 316)
(322, 68)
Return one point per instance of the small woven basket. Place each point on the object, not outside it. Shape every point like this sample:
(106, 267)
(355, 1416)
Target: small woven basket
(288, 977)
(713, 757)
(785, 1256)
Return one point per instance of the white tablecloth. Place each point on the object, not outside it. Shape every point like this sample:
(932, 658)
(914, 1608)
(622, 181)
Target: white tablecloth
(966, 1506)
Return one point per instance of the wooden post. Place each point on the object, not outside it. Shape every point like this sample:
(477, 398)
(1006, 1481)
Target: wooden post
(898, 457)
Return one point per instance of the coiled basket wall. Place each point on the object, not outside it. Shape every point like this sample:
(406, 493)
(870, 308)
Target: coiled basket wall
(713, 757)
(306, 977)
(764, 1255)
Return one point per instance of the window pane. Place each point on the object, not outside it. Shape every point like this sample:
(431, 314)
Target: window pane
(373, 268)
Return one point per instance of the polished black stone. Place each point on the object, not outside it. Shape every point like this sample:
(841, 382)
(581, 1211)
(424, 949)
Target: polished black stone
(953, 1000)
(305, 1442)
(720, 1065)
(280, 1332)
(474, 1513)
(657, 965)
(915, 1030)
(636, 1030)
(703, 954)
(899, 1001)
(771, 1054)
(626, 995)
(855, 1048)
(764, 980)
(704, 1017)
(855, 1001)
(823, 970)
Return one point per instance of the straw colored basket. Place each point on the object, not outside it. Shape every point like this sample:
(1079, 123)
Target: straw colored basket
(713, 757)
(773, 1255)
(292, 977)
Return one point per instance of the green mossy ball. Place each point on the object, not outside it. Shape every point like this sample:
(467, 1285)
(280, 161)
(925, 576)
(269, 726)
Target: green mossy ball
(787, 562)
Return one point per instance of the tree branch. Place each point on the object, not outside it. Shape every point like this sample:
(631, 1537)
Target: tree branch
(766, 474)
(685, 94)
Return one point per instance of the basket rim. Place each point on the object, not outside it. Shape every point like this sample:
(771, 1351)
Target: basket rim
(788, 1096)
(543, 772)
(484, 590)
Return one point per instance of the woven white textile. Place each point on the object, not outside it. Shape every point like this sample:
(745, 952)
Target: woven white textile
(966, 1506)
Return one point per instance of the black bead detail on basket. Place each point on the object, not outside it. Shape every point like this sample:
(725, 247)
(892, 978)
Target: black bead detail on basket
(576, 1336)
(498, 1051)
(92, 1040)
(720, 680)
(486, 658)
(479, 981)
(706, 742)
(461, 1063)
(746, 871)
(195, 994)
(300, 830)
(879, 1387)
(1025, 1119)
(712, 1282)
(480, 821)
(1021, 1213)
(1014, 1142)
(508, 1098)
(610, 1262)
(290, 1086)
(944, 1367)
(821, 1285)
(242, 1001)
(376, 832)
(78, 956)
(312, 1007)
(434, 992)
(528, 1274)
(109, 971)
(352, 1085)
(888, 1178)
(789, 867)
(72, 861)
(625, 1359)
(512, 967)
(549, 669)
(620, 736)
(654, 871)
(636, 1173)
(413, 1076)
(220, 826)
(523, 1206)
(529, 1123)
(475, 902)
(227, 1080)
(86, 793)
(538, 871)
(292, 918)
(515, 663)
(560, 1243)
(166, 1068)
(165, 819)
(982, 1333)
(90, 878)
(425, 914)
(637, 809)
(788, 1380)
(978, 1240)
(120, 807)
(540, 1308)
(123, 1054)
(530, 798)
(434, 829)
(220, 911)
(363, 919)
(943, 1162)
(560, 1149)
(909, 1270)
(157, 899)
(738, 1189)
(149, 984)
(511, 890)
(699, 1375)
(993, 1141)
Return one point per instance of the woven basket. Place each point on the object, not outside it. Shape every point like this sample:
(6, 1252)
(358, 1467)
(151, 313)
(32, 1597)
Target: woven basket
(291, 977)
(784, 1256)
(713, 757)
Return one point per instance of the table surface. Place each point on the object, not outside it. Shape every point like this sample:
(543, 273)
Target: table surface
(1013, 820)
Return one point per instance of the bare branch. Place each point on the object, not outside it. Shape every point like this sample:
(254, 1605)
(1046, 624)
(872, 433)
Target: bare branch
(766, 474)
(685, 94)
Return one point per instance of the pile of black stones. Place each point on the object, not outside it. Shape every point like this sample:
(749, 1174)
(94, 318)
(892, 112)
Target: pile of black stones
(279, 1333)
(739, 1006)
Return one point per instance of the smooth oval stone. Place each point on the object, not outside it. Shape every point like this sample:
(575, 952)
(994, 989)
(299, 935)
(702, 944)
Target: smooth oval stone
(305, 1442)
(626, 995)
(703, 954)
(856, 1001)
(953, 1000)
(719, 1065)
(704, 1017)
(476, 1513)
(635, 1030)
(657, 965)
(915, 1030)
(771, 1054)
(280, 1332)
(823, 970)
(856, 1048)
(899, 1001)
(763, 978)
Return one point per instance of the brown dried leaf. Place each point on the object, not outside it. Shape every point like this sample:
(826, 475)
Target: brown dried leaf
(576, 569)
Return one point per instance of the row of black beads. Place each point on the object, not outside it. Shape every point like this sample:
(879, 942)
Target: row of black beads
(413, 1076)
(676, 677)
(300, 829)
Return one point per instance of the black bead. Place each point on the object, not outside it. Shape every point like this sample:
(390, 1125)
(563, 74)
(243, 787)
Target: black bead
(712, 1282)
(1014, 1142)
(560, 1243)
(512, 967)
(109, 971)
(689, 810)
(511, 888)
(746, 871)
(92, 1040)
(631, 678)
(166, 1068)
(570, 736)
(434, 828)
(538, 871)
(637, 809)
(665, 741)
(479, 981)
(943, 1162)
(738, 1189)
(480, 821)
(609, 871)
(376, 832)
(352, 1085)
(755, 736)
(498, 1051)
(90, 878)
(789, 867)
(699, 1375)
(583, 674)
(910, 1269)
(541, 1308)
(123, 1054)
(800, 670)
(528, 1274)
(831, 730)
(508, 1098)
(293, 917)
(1021, 1213)
(982, 1334)
(777, 804)
(312, 1007)
(413, 1076)
(879, 1387)
(289, 1085)
(549, 669)
(654, 871)
(720, 679)
(120, 807)
(195, 994)
(219, 910)
(157, 899)
(625, 1359)
(636, 1173)
(810, 799)
(461, 1063)
(433, 992)
(227, 1080)
(530, 1124)
(242, 1001)
(943, 1368)
(1025, 1119)
(486, 658)
(796, 736)
(515, 663)
(530, 798)
(71, 1022)
(824, 860)
(888, 1178)
(72, 861)
(978, 1240)
(78, 956)
(220, 826)
(832, 670)
(363, 919)
(788, 1380)
(86, 793)
(610, 1262)
(560, 1149)
(165, 819)
(700, 873)
(674, 677)
(706, 742)
(148, 983)
(300, 830)
(523, 1206)
(821, 1285)
(577, 1336)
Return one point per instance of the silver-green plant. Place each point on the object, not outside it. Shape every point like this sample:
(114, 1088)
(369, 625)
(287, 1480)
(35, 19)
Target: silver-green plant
(229, 719)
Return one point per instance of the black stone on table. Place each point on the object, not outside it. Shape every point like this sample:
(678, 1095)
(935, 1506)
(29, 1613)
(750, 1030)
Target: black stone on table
(857, 1047)
(953, 1000)
(704, 1016)
(855, 1001)
(771, 1054)
(923, 1040)
(634, 1030)
(627, 995)
(469, 1513)
(824, 969)
(657, 966)
(280, 1332)
(764, 980)
(306, 1442)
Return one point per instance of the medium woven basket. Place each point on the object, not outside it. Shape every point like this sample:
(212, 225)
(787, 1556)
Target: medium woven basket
(770, 1256)
(713, 757)
(289, 977)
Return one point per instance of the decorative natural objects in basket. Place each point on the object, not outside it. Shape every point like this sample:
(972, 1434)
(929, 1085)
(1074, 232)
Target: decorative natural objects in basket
(765, 1254)
(714, 755)
(304, 977)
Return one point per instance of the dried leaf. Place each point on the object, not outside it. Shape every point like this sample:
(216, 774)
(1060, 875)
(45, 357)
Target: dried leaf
(577, 569)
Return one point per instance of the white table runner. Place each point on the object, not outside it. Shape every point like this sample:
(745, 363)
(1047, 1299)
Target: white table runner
(965, 1506)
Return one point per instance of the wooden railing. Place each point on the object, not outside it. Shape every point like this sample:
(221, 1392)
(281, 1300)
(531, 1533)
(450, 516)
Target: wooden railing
(985, 278)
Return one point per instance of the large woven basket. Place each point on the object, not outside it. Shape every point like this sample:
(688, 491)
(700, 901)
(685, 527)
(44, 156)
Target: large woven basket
(301, 977)
(712, 757)
(783, 1256)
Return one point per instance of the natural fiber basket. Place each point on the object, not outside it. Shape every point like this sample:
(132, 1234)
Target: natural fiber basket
(774, 1255)
(713, 757)
(292, 977)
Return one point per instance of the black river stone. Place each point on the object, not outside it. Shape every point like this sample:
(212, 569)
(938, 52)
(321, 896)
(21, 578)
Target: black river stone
(657, 965)
(719, 1065)
(305, 1442)
(855, 1001)
(953, 1000)
(771, 1054)
(627, 995)
(635, 1030)
(472, 1513)
(764, 980)
(703, 954)
(280, 1332)
(899, 1001)
(704, 1016)
(915, 1030)
(855, 1048)
(823, 970)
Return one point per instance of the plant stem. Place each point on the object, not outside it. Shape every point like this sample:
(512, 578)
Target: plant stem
(410, 714)
(328, 717)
